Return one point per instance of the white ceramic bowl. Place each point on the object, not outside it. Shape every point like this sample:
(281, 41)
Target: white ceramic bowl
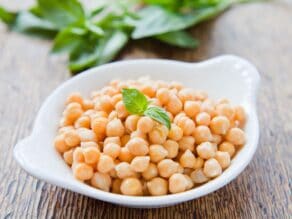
(225, 76)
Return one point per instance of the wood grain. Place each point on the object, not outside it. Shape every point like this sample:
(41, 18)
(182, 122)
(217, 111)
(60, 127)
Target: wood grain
(259, 32)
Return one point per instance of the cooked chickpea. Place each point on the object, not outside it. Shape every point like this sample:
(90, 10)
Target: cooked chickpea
(202, 133)
(87, 104)
(206, 150)
(75, 98)
(116, 186)
(186, 94)
(177, 183)
(148, 90)
(138, 146)
(98, 125)
(157, 186)
(124, 170)
(172, 148)
(212, 168)
(105, 103)
(192, 108)
(217, 139)
(163, 95)
(86, 135)
(240, 116)
(198, 176)
(235, 136)
(105, 163)
(175, 132)
(115, 128)
(125, 139)
(158, 134)
(115, 140)
(112, 149)
(187, 142)
(208, 106)
(101, 181)
(174, 105)
(145, 124)
(131, 123)
(187, 125)
(203, 118)
(138, 134)
(167, 167)
(91, 155)
(68, 157)
(131, 186)
(223, 158)
(82, 171)
(71, 138)
(187, 159)
(121, 110)
(225, 109)
(113, 115)
(140, 163)
(157, 153)
(199, 163)
(227, 147)
(150, 172)
(116, 98)
(72, 112)
(82, 122)
(190, 183)
(220, 125)
(60, 144)
(125, 155)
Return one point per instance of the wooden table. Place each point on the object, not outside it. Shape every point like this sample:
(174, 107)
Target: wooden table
(259, 32)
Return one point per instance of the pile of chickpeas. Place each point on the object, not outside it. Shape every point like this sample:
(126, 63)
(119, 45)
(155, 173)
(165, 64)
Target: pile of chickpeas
(114, 151)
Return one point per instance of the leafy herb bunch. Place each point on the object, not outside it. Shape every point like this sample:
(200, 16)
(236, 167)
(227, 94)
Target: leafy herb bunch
(94, 37)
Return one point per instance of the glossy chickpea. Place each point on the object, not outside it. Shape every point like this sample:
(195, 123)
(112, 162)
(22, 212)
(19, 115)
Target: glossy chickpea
(212, 168)
(86, 135)
(116, 98)
(72, 112)
(205, 150)
(89, 144)
(187, 125)
(202, 133)
(125, 155)
(178, 117)
(187, 94)
(145, 124)
(105, 163)
(148, 90)
(138, 146)
(112, 149)
(227, 147)
(157, 186)
(199, 163)
(87, 104)
(140, 163)
(226, 110)
(157, 153)
(78, 155)
(115, 140)
(116, 186)
(174, 105)
(223, 159)
(174, 84)
(109, 91)
(71, 138)
(74, 98)
(175, 132)
(217, 139)
(240, 116)
(91, 155)
(198, 176)
(150, 172)
(235, 136)
(105, 103)
(115, 128)
(167, 167)
(64, 129)
(172, 148)
(220, 125)
(124, 170)
(125, 139)
(158, 134)
(113, 115)
(192, 108)
(203, 118)
(60, 144)
(131, 186)
(82, 171)
(177, 183)
(131, 123)
(121, 110)
(187, 159)
(190, 183)
(101, 181)
(163, 95)
(187, 142)
(208, 106)
(98, 125)
(68, 157)
(82, 122)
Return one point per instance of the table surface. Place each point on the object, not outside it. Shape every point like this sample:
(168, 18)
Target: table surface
(259, 32)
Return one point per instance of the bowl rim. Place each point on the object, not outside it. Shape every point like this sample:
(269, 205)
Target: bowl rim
(149, 201)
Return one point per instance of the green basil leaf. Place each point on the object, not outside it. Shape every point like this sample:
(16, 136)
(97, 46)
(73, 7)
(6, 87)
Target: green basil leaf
(7, 17)
(158, 114)
(178, 38)
(94, 28)
(135, 102)
(61, 12)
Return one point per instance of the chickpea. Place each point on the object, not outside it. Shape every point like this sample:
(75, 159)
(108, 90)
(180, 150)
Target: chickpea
(219, 125)
(217, 139)
(158, 134)
(74, 98)
(121, 110)
(208, 106)
(187, 159)
(227, 147)
(125, 139)
(203, 118)
(240, 116)
(101, 181)
(78, 155)
(125, 155)
(148, 90)
(99, 113)
(170, 116)
(150, 172)
(116, 98)
(82, 122)
(202, 133)
(186, 94)
(187, 125)
(64, 129)
(167, 167)
(116, 186)
(68, 157)
(235, 136)
(145, 124)
(105, 103)
(105, 163)
(138, 134)
(178, 117)
(87, 105)
(86, 135)
(131, 186)
(113, 115)
(201, 95)
(91, 155)
(199, 163)
(131, 123)
(174, 105)
(187, 142)
(157, 153)
(82, 171)
(115, 128)
(72, 112)
(176, 85)
(112, 150)
(115, 140)
(140, 163)
(172, 148)
(163, 95)
(98, 125)
(205, 150)
(154, 102)
(212, 168)
(190, 183)
(223, 159)
(177, 183)
(225, 109)
(60, 144)
(198, 176)
(175, 132)
(71, 138)
(157, 186)
(192, 108)
(124, 170)
(138, 146)
(88, 144)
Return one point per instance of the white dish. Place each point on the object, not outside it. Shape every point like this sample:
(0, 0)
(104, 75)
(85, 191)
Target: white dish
(225, 76)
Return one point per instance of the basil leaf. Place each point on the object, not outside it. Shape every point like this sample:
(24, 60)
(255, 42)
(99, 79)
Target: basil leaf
(94, 28)
(7, 17)
(135, 102)
(178, 38)
(159, 115)
(61, 12)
